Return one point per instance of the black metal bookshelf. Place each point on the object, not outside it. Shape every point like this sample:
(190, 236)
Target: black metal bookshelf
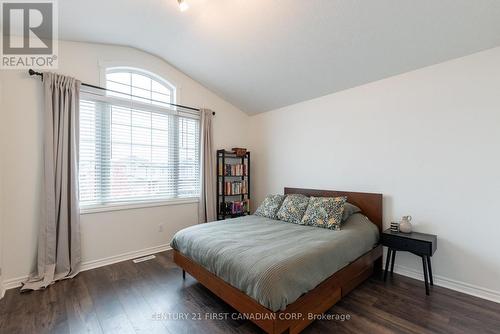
(233, 184)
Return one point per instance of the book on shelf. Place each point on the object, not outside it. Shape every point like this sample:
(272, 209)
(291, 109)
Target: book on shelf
(233, 187)
(232, 170)
(235, 207)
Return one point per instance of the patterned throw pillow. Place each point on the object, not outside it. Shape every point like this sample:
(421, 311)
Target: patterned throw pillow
(270, 206)
(293, 208)
(325, 212)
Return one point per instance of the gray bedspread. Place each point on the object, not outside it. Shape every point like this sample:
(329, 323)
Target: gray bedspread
(272, 261)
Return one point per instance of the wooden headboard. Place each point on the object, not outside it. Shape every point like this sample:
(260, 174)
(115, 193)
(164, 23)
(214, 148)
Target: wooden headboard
(369, 203)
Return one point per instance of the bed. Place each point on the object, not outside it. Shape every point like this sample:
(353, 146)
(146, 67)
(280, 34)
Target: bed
(278, 274)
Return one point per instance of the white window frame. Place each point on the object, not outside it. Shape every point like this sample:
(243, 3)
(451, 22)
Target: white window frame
(105, 65)
(89, 209)
(110, 67)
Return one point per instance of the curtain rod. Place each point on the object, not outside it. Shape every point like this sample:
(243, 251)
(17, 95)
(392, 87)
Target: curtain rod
(32, 72)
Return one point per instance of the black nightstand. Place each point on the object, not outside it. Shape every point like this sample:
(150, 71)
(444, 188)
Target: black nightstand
(420, 244)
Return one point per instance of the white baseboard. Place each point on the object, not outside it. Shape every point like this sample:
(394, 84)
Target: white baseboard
(14, 282)
(2, 290)
(451, 284)
(88, 265)
(124, 257)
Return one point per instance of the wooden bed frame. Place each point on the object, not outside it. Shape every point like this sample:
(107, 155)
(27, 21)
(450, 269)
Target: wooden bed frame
(317, 301)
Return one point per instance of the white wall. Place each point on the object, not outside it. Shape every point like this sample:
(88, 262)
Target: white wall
(1, 201)
(107, 234)
(429, 140)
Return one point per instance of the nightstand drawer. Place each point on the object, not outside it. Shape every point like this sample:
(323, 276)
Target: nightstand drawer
(404, 244)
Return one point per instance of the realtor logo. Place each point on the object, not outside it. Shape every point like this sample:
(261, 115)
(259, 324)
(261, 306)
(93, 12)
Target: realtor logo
(29, 34)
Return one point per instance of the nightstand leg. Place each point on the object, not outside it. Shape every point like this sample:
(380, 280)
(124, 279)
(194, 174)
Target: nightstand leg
(387, 261)
(393, 260)
(430, 270)
(424, 264)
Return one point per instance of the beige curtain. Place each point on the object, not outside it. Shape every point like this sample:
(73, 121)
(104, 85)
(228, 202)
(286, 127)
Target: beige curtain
(207, 205)
(59, 253)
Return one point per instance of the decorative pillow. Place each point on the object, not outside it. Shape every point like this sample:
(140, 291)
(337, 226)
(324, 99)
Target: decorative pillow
(349, 210)
(270, 206)
(325, 212)
(293, 208)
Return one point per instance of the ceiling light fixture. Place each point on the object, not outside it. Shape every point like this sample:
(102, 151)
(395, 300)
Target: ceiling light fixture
(183, 5)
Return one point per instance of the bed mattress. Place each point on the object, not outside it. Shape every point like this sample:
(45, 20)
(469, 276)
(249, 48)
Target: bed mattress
(275, 262)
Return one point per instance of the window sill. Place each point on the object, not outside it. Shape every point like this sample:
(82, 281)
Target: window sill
(130, 206)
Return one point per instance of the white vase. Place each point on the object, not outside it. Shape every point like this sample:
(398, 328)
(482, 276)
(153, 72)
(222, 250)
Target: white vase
(405, 225)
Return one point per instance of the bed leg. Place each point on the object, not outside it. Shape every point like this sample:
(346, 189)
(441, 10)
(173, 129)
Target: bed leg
(377, 267)
(183, 274)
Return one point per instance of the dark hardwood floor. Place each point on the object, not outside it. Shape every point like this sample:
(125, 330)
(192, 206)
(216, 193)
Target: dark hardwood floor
(146, 297)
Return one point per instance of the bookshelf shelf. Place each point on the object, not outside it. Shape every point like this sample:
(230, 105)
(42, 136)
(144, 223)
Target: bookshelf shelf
(233, 184)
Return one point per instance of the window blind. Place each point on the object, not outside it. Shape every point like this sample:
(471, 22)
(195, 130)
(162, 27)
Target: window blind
(133, 152)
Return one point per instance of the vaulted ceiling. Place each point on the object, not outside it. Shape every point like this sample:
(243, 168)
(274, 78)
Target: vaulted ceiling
(265, 54)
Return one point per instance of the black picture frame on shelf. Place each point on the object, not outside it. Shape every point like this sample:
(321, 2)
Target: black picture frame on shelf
(233, 184)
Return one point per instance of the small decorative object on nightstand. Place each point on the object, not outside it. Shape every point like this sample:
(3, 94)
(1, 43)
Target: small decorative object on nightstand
(405, 224)
(394, 227)
(420, 244)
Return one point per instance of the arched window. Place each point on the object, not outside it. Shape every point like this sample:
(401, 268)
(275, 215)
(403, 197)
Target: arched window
(134, 146)
(139, 85)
